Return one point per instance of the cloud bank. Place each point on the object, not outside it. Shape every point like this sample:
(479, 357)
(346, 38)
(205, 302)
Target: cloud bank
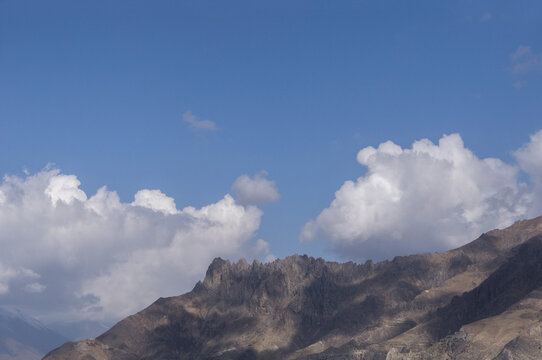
(428, 197)
(256, 190)
(71, 256)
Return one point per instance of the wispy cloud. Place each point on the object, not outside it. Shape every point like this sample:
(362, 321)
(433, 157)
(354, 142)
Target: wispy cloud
(487, 16)
(519, 84)
(524, 60)
(195, 123)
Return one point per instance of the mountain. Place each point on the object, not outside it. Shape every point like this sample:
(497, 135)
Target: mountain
(480, 301)
(23, 337)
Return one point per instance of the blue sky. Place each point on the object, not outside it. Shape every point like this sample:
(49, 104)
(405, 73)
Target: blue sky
(295, 88)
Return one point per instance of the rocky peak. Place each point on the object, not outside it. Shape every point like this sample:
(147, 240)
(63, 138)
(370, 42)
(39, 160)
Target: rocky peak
(216, 271)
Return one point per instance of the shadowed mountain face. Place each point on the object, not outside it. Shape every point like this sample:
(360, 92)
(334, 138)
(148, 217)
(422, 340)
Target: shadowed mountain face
(480, 301)
(24, 338)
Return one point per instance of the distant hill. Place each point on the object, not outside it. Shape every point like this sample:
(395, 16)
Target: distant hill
(480, 301)
(79, 330)
(25, 338)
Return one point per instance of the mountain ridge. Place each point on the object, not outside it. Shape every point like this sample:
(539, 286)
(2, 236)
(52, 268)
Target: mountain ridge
(421, 306)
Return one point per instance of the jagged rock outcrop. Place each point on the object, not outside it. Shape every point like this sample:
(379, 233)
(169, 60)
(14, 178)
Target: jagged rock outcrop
(480, 301)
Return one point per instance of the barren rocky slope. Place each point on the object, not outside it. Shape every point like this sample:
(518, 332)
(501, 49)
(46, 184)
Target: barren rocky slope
(480, 301)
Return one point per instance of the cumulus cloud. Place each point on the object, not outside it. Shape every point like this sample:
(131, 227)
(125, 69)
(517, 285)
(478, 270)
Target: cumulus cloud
(425, 198)
(198, 124)
(100, 258)
(156, 201)
(255, 190)
(65, 188)
(529, 158)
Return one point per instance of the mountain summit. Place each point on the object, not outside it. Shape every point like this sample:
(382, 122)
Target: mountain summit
(480, 301)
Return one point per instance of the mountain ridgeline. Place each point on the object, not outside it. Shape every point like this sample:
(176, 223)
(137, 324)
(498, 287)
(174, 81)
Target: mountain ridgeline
(480, 301)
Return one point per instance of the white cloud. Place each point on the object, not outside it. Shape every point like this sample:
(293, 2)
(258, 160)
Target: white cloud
(255, 190)
(529, 158)
(156, 201)
(65, 188)
(97, 257)
(197, 124)
(424, 198)
(524, 60)
(220, 228)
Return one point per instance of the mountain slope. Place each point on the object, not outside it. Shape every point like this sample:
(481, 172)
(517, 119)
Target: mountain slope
(24, 338)
(482, 300)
